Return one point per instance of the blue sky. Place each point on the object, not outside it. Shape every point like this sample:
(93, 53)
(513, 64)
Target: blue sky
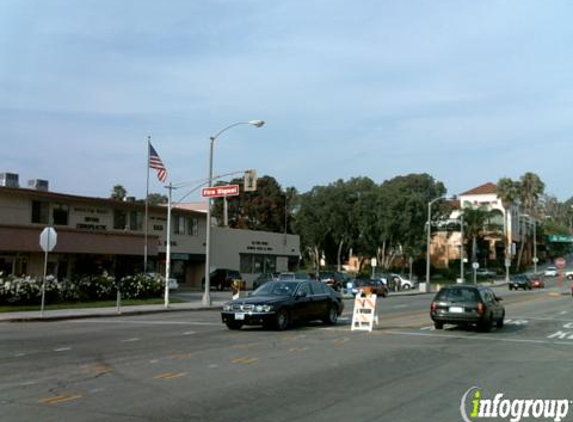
(467, 91)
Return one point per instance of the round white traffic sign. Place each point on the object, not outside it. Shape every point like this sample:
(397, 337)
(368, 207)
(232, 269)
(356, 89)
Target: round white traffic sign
(475, 265)
(48, 239)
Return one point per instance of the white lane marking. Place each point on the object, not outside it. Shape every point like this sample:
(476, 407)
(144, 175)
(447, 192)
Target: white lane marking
(62, 349)
(123, 321)
(19, 355)
(542, 319)
(563, 312)
(188, 333)
(129, 340)
(479, 338)
(427, 328)
(399, 306)
(154, 361)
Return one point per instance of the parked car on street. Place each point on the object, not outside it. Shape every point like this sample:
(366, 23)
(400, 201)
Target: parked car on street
(401, 283)
(278, 304)
(370, 285)
(569, 275)
(551, 271)
(288, 276)
(520, 281)
(386, 278)
(222, 278)
(467, 305)
(335, 279)
(263, 278)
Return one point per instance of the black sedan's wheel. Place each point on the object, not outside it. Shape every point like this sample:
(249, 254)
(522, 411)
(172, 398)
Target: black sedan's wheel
(233, 325)
(438, 325)
(332, 315)
(500, 322)
(485, 325)
(283, 319)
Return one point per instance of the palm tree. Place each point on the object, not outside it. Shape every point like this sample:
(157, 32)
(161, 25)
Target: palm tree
(477, 223)
(530, 188)
(507, 192)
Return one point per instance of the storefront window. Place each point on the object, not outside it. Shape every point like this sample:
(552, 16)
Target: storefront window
(40, 212)
(119, 220)
(60, 214)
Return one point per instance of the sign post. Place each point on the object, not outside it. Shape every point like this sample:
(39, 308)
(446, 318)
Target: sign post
(48, 240)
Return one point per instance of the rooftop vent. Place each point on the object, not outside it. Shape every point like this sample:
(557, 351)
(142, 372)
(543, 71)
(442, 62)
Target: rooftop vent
(9, 180)
(38, 184)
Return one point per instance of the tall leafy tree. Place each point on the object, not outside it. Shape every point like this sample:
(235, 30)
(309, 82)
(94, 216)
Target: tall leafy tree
(530, 189)
(263, 209)
(507, 192)
(118, 193)
(479, 222)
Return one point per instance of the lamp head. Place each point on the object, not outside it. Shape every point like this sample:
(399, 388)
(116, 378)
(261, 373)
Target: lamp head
(257, 123)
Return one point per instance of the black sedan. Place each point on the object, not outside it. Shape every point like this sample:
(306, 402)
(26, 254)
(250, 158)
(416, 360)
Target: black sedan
(280, 303)
(520, 281)
(466, 305)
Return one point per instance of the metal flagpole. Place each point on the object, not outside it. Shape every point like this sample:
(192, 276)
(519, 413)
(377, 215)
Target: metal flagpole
(146, 208)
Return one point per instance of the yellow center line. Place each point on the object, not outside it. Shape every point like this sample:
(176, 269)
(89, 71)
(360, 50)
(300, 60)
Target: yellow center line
(244, 360)
(59, 399)
(170, 375)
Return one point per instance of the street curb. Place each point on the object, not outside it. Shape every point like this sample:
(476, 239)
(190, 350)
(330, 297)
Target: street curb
(135, 312)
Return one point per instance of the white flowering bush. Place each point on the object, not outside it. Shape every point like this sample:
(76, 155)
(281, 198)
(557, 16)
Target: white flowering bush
(28, 290)
(142, 286)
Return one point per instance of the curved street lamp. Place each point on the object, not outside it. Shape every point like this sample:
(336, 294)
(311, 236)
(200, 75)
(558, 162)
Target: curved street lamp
(429, 239)
(207, 294)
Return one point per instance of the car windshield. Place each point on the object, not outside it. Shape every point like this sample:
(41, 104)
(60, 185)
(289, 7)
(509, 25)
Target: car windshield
(276, 288)
(458, 295)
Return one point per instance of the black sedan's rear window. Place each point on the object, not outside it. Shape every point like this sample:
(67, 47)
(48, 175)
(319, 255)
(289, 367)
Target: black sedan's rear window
(458, 295)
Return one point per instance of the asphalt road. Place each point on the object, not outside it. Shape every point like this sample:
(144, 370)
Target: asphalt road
(186, 366)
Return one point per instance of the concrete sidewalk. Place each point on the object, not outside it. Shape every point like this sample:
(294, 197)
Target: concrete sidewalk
(76, 313)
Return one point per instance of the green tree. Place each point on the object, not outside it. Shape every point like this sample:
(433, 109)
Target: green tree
(530, 189)
(263, 209)
(401, 217)
(118, 193)
(157, 199)
(507, 192)
(479, 222)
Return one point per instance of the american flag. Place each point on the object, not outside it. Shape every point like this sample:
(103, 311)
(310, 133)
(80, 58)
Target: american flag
(156, 163)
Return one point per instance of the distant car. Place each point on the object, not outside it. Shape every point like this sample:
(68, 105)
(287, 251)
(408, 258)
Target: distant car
(537, 281)
(485, 273)
(371, 285)
(520, 281)
(280, 303)
(401, 283)
(222, 278)
(551, 271)
(294, 277)
(467, 305)
(335, 279)
(263, 278)
(173, 284)
(386, 278)
(569, 275)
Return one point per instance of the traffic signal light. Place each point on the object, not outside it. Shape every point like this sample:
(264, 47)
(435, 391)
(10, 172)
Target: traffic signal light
(250, 181)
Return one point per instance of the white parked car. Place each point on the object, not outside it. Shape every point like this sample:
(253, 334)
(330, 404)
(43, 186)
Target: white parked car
(173, 284)
(551, 271)
(402, 283)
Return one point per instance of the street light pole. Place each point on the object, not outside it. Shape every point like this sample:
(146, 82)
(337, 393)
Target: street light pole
(462, 247)
(428, 241)
(207, 294)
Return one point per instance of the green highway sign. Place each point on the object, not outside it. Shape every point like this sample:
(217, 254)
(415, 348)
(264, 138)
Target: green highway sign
(560, 238)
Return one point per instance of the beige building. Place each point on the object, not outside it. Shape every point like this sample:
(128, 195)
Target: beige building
(100, 234)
